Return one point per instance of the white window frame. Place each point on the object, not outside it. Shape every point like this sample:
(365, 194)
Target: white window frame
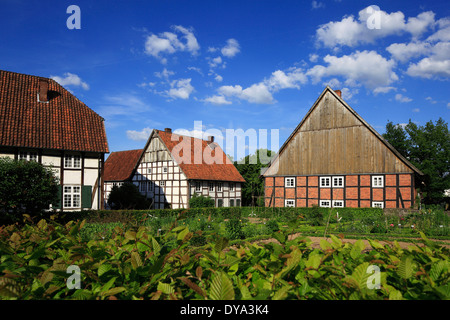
(337, 185)
(223, 203)
(289, 203)
(28, 155)
(231, 186)
(231, 202)
(378, 204)
(198, 186)
(71, 196)
(211, 186)
(377, 181)
(321, 203)
(165, 170)
(72, 161)
(219, 187)
(162, 183)
(334, 202)
(322, 179)
(149, 170)
(150, 186)
(289, 182)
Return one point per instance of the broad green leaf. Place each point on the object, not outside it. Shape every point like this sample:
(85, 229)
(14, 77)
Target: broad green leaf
(360, 275)
(102, 269)
(221, 244)
(183, 233)
(113, 291)
(281, 293)
(156, 246)
(136, 260)
(313, 261)
(438, 268)
(357, 247)
(405, 268)
(337, 243)
(325, 245)
(221, 287)
(165, 288)
(130, 235)
(375, 244)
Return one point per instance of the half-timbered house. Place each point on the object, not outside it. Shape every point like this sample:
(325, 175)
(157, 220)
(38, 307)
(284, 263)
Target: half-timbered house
(334, 158)
(42, 121)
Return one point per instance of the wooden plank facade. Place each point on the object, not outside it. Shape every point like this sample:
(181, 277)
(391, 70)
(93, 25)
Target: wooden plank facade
(335, 158)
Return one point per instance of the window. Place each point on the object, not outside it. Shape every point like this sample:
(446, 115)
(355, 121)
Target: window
(198, 186)
(72, 161)
(377, 181)
(289, 203)
(238, 202)
(28, 156)
(149, 170)
(162, 183)
(143, 186)
(231, 202)
(338, 203)
(325, 203)
(211, 186)
(231, 186)
(338, 182)
(289, 182)
(72, 196)
(376, 204)
(220, 203)
(219, 187)
(150, 186)
(164, 169)
(325, 182)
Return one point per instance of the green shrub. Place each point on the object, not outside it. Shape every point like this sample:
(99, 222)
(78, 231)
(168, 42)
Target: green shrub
(233, 229)
(315, 216)
(199, 201)
(271, 226)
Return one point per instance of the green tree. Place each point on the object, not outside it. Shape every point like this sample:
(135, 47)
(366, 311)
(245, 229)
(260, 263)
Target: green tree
(26, 187)
(127, 196)
(250, 169)
(198, 201)
(428, 148)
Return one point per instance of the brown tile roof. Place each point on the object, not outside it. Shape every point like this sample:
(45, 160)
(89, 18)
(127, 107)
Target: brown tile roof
(205, 161)
(64, 123)
(120, 165)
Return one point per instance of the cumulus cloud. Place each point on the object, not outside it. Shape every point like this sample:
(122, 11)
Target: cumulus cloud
(436, 65)
(370, 25)
(231, 48)
(401, 98)
(366, 67)
(139, 135)
(217, 100)
(180, 89)
(169, 43)
(405, 51)
(70, 79)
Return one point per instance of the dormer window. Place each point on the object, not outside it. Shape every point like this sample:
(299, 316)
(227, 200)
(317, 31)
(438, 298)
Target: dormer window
(72, 161)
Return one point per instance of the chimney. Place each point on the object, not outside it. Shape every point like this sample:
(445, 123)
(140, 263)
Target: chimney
(339, 93)
(43, 90)
(168, 130)
(210, 139)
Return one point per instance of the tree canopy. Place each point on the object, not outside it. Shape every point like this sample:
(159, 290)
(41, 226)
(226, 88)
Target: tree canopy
(428, 148)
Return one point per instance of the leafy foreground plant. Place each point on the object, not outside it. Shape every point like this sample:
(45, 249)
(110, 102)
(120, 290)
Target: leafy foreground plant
(136, 265)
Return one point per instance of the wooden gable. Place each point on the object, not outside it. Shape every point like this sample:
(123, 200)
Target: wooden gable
(333, 139)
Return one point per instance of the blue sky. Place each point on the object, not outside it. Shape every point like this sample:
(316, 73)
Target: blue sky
(234, 64)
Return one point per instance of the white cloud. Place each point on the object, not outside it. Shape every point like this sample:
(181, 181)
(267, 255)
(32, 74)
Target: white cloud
(256, 93)
(317, 4)
(215, 61)
(139, 135)
(165, 74)
(405, 51)
(218, 78)
(401, 98)
(383, 89)
(281, 80)
(313, 57)
(351, 31)
(430, 68)
(217, 100)
(180, 89)
(231, 48)
(70, 79)
(430, 99)
(365, 67)
(416, 110)
(348, 93)
(168, 43)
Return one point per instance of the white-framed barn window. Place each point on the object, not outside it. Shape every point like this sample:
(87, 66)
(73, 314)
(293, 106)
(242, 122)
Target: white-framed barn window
(231, 186)
(325, 203)
(219, 186)
(72, 196)
(164, 169)
(198, 186)
(149, 170)
(72, 161)
(211, 186)
(28, 156)
(338, 203)
(338, 182)
(377, 182)
(377, 204)
(325, 182)
(162, 183)
(289, 182)
(289, 203)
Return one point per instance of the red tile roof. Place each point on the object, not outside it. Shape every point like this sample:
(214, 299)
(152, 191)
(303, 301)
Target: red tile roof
(120, 165)
(64, 123)
(205, 162)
